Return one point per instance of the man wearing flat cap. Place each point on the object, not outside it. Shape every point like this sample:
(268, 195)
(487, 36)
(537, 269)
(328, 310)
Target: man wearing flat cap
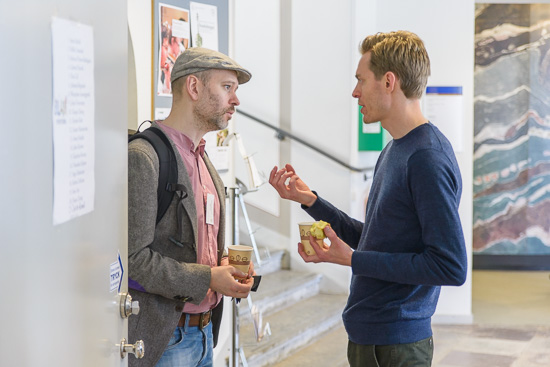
(177, 268)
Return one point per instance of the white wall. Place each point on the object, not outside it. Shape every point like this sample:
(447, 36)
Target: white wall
(321, 87)
(257, 48)
(139, 24)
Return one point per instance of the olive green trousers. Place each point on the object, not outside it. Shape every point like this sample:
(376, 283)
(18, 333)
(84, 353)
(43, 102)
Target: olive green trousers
(418, 354)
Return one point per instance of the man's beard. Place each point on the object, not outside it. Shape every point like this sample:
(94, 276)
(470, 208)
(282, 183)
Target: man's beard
(207, 115)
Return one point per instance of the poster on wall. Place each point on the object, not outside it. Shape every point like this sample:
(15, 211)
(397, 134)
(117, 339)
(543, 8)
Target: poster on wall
(174, 34)
(511, 133)
(73, 105)
(443, 107)
(204, 25)
(218, 151)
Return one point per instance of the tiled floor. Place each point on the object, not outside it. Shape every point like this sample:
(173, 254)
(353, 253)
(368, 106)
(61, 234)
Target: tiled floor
(511, 324)
(491, 346)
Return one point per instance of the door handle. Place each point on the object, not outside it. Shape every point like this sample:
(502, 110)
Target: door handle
(138, 349)
(127, 307)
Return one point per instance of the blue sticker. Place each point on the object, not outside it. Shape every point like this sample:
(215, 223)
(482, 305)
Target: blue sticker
(116, 273)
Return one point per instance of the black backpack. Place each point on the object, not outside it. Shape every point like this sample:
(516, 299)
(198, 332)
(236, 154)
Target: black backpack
(168, 167)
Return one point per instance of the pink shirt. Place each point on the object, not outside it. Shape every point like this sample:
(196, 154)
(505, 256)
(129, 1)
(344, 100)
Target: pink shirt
(203, 187)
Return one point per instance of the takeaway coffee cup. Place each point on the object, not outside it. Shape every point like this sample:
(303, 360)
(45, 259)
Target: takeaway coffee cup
(305, 230)
(240, 256)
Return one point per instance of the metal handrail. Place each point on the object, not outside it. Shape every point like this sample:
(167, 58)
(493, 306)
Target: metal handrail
(281, 134)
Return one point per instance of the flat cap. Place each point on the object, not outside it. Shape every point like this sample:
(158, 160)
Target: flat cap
(197, 59)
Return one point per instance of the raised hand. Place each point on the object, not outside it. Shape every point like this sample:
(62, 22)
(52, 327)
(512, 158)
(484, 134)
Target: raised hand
(295, 189)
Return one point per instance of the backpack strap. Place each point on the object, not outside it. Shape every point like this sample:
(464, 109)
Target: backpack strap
(168, 167)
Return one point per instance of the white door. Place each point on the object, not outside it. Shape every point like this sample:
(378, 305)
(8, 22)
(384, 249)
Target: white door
(56, 305)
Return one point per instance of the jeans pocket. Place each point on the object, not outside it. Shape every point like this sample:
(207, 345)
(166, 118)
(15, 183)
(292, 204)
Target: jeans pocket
(176, 338)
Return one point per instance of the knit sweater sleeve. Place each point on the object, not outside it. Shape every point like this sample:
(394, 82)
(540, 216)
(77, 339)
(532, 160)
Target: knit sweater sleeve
(435, 187)
(347, 228)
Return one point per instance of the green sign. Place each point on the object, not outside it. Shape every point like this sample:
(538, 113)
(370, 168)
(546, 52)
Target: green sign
(371, 136)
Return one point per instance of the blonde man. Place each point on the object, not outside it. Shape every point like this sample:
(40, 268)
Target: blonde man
(411, 242)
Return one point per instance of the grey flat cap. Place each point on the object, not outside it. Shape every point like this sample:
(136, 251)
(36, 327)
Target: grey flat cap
(197, 59)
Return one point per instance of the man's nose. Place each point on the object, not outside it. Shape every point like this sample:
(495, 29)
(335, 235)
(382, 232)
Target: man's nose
(235, 100)
(355, 93)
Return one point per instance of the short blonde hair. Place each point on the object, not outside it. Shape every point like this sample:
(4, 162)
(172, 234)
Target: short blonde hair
(402, 53)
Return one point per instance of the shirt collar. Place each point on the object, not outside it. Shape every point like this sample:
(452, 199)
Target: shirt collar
(202, 147)
(184, 142)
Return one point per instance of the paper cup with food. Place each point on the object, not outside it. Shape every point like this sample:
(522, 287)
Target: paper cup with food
(316, 230)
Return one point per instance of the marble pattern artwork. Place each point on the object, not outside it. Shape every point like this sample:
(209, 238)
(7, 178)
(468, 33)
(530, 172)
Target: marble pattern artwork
(512, 130)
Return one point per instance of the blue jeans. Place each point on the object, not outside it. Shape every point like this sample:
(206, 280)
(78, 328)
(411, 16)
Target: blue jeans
(189, 347)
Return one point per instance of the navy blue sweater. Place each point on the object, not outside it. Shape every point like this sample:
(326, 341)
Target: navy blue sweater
(411, 242)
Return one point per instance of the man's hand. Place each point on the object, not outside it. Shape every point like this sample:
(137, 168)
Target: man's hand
(251, 271)
(295, 190)
(223, 281)
(338, 252)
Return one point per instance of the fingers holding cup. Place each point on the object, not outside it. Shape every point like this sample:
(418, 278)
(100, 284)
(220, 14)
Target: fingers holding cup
(240, 257)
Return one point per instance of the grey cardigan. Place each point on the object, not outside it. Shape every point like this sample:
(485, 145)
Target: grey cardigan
(162, 263)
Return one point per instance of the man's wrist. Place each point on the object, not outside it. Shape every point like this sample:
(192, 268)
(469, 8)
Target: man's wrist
(350, 260)
(310, 201)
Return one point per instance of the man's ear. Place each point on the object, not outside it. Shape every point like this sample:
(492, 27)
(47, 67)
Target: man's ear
(193, 85)
(391, 81)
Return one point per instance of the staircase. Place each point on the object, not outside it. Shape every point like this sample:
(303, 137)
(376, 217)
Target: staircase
(306, 324)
